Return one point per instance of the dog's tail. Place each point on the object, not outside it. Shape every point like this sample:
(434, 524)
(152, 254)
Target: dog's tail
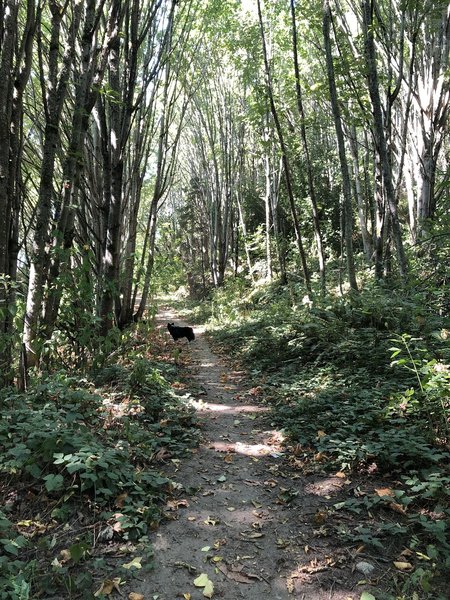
(190, 335)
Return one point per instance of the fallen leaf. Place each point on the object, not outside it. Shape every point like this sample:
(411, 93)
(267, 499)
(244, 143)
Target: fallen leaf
(320, 517)
(209, 589)
(403, 566)
(175, 504)
(271, 483)
(210, 521)
(135, 596)
(204, 582)
(187, 596)
(228, 458)
(384, 492)
(205, 549)
(201, 580)
(321, 434)
(65, 555)
(108, 586)
(399, 508)
(231, 508)
(135, 563)
(252, 535)
(221, 479)
(340, 474)
(217, 559)
(237, 574)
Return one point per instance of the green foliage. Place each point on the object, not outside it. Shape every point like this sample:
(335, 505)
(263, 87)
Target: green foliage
(82, 452)
(345, 406)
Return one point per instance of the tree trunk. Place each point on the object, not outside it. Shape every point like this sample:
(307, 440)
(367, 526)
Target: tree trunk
(379, 133)
(362, 210)
(346, 187)
(284, 154)
(56, 94)
(309, 168)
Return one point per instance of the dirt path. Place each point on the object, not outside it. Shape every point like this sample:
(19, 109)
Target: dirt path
(246, 523)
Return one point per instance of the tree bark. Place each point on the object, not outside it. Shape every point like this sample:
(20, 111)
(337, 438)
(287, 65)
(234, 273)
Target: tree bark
(379, 133)
(284, 154)
(346, 187)
(309, 168)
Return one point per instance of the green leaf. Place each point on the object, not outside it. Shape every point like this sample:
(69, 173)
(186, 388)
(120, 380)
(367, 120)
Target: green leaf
(367, 596)
(54, 482)
(77, 551)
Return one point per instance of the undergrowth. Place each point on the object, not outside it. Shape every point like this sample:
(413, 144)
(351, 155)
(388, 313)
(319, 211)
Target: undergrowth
(359, 385)
(81, 473)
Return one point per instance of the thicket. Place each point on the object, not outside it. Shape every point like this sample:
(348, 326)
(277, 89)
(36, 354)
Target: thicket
(359, 384)
(81, 471)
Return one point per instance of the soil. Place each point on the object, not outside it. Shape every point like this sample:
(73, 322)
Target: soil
(246, 517)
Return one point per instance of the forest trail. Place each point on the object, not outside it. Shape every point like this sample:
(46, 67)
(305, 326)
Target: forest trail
(257, 521)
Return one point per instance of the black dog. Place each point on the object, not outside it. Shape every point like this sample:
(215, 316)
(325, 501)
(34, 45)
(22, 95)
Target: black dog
(180, 332)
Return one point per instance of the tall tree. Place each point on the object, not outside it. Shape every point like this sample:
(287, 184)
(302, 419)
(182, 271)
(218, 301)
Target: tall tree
(309, 166)
(284, 154)
(379, 132)
(16, 49)
(55, 88)
(346, 186)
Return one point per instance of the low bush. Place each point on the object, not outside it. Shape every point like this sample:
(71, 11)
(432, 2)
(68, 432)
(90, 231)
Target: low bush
(84, 457)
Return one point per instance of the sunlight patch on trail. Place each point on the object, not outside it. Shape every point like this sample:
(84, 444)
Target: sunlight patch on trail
(247, 449)
(203, 406)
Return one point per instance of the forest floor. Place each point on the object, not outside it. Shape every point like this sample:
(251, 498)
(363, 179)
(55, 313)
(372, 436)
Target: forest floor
(247, 521)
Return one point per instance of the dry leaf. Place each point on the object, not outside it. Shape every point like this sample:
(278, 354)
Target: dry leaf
(135, 563)
(208, 589)
(398, 508)
(320, 517)
(204, 582)
(237, 574)
(201, 580)
(384, 492)
(175, 504)
(135, 596)
(252, 535)
(185, 596)
(120, 500)
(321, 434)
(108, 586)
(340, 474)
(403, 566)
(65, 556)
